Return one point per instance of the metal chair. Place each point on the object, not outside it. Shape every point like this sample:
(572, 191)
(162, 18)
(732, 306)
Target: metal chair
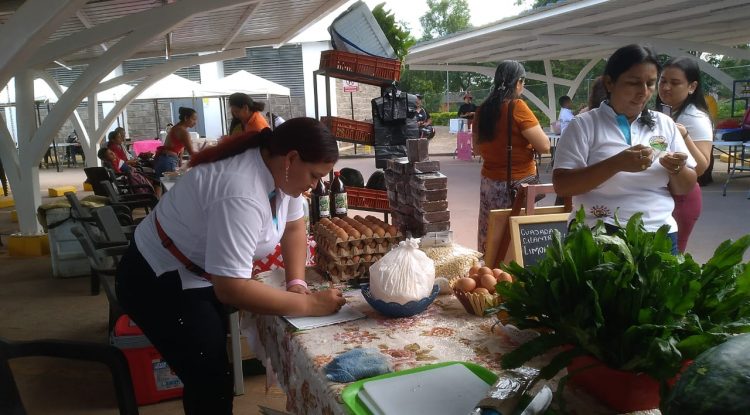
(133, 201)
(10, 398)
(98, 257)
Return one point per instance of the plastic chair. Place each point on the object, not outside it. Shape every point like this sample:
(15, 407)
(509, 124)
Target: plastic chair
(107, 221)
(97, 257)
(10, 398)
(133, 201)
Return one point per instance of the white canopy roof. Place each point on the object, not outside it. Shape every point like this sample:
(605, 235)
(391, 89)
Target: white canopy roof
(243, 81)
(174, 86)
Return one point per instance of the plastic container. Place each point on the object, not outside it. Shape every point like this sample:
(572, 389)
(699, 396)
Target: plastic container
(153, 379)
(66, 253)
(386, 70)
(357, 31)
(351, 131)
(359, 197)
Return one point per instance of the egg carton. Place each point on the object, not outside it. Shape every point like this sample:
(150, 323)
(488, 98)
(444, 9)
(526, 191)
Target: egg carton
(370, 247)
(349, 270)
(325, 237)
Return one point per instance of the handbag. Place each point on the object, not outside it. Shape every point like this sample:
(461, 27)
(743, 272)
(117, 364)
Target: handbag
(513, 186)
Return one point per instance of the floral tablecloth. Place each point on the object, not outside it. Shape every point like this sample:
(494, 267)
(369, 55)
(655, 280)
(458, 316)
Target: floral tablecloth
(443, 332)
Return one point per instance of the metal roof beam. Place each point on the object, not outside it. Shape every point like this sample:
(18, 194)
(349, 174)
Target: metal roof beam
(248, 13)
(169, 66)
(666, 43)
(88, 25)
(27, 29)
(322, 11)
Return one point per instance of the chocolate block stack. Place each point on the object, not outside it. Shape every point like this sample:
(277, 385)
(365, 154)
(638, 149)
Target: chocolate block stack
(417, 191)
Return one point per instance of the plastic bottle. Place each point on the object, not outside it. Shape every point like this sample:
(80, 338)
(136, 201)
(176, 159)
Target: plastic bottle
(321, 202)
(338, 196)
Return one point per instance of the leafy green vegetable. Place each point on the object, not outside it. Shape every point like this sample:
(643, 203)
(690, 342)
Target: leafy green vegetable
(626, 300)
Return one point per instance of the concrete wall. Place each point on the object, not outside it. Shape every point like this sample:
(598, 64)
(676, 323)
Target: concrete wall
(361, 100)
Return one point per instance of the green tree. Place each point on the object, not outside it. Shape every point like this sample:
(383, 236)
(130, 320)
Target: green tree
(444, 17)
(396, 32)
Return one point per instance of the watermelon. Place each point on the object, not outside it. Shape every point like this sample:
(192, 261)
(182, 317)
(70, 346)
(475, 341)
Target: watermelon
(718, 382)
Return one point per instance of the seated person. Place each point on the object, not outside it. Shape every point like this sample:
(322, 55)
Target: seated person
(115, 141)
(424, 121)
(566, 113)
(140, 183)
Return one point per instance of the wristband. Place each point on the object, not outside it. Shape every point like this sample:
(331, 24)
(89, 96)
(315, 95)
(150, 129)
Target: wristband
(296, 282)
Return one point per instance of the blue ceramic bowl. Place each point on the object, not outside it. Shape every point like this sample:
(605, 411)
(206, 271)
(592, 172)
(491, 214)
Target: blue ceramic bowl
(399, 310)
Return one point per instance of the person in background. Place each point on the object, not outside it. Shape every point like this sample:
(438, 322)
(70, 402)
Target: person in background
(621, 158)
(424, 121)
(680, 89)
(169, 156)
(247, 115)
(115, 143)
(277, 120)
(597, 94)
(240, 199)
(140, 183)
(467, 109)
(490, 139)
(566, 112)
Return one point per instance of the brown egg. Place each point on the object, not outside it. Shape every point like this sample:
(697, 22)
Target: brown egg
(340, 233)
(505, 277)
(475, 277)
(485, 270)
(465, 284)
(496, 272)
(474, 270)
(488, 282)
(481, 290)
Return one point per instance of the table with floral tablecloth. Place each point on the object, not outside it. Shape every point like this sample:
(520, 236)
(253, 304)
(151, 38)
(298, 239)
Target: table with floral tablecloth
(444, 332)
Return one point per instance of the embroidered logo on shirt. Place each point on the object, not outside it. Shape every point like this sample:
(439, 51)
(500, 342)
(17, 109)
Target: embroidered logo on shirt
(600, 211)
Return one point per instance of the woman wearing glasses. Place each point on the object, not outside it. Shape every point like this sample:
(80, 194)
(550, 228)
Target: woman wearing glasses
(490, 137)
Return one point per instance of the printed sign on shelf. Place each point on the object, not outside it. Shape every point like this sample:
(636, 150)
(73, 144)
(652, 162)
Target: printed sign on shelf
(351, 86)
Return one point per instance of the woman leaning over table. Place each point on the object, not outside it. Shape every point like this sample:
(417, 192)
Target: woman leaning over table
(680, 88)
(169, 156)
(237, 202)
(623, 158)
(247, 115)
(490, 138)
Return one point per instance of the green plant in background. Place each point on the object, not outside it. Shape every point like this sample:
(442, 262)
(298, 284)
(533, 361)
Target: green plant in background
(626, 300)
(442, 118)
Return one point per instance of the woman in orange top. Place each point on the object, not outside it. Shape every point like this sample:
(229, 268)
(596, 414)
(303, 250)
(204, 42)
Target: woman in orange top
(169, 156)
(247, 115)
(490, 137)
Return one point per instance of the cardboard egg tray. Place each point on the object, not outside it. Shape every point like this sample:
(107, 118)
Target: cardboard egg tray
(345, 269)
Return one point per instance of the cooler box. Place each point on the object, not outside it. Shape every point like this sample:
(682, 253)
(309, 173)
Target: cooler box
(153, 379)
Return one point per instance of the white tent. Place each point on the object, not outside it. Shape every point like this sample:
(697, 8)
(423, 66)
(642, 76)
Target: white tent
(42, 92)
(243, 81)
(174, 86)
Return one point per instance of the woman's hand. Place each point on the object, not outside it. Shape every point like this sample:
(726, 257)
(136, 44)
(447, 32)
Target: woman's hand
(635, 159)
(299, 289)
(673, 162)
(323, 303)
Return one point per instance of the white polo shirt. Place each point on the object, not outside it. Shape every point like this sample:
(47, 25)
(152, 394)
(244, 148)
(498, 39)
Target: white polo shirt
(594, 136)
(219, 216)
(566, 114)
(697, 123)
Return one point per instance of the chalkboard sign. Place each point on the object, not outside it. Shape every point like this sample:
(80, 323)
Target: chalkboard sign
(531, 235)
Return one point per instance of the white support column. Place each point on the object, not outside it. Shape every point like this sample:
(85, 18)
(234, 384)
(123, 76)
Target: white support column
(26, 185)
(93, 126)
(552, 110)
(581, 76)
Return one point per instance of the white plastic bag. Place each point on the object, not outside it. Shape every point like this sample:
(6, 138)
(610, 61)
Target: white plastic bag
(402, 275)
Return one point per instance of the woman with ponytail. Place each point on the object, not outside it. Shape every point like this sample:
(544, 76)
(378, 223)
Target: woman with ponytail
(622, 158)
(193, 254)
(247, 115)
(490, 138)
(169, 156)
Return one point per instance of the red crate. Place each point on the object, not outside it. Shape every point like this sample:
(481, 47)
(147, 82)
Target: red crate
(358, 132)
(372, 66)
(359, 197)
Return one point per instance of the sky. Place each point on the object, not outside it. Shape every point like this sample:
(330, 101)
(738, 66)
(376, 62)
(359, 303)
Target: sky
(409, 12)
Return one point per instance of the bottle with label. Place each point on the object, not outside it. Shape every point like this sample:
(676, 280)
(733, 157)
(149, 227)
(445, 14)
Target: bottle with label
(338, 196)
(321, 202)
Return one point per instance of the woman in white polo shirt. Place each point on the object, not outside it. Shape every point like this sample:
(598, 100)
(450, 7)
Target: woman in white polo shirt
(622, 158)
(194, 253)
(680, 89)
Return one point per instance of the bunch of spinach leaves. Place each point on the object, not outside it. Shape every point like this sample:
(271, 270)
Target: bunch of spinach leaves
(626, 300)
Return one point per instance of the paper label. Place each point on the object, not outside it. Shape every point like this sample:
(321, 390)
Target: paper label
(340, 203)
(324, 207)
(164, 378)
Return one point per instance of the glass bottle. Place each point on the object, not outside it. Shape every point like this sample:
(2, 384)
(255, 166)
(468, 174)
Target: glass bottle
(321, 202)
(338, 196)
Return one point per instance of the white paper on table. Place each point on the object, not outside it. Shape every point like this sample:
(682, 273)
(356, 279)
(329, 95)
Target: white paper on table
(346, 313)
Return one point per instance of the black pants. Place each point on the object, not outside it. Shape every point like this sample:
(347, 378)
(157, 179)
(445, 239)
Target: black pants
(188, 327)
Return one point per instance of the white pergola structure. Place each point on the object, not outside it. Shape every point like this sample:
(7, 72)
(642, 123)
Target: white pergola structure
(101, 34)
(592, 30)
